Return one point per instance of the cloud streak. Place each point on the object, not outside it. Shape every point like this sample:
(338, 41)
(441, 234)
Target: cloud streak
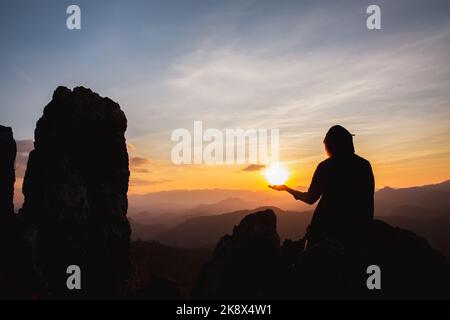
(300, 66)
(253, 168)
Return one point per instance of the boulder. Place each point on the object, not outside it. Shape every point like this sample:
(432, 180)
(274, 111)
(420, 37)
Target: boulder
(244, 263)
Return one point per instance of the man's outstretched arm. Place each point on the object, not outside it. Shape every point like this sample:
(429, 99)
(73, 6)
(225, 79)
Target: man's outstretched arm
(314, 192)
(307, 197)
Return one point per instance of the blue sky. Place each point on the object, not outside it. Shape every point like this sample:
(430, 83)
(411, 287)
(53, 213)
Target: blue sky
(300, 66)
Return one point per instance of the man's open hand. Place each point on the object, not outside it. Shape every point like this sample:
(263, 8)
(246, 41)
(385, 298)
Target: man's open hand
(279, 188)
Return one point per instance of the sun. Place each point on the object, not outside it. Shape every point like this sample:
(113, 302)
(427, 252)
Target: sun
(276, 174)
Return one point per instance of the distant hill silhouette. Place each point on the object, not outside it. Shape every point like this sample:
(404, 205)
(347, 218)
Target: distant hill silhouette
(172, 207)
(145, 232)
(224, 206)
(432, 198)
(172, 216)
(427, 217)
(204, 230)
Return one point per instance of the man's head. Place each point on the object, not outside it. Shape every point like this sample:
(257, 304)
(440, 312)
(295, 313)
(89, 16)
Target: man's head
(339, 141)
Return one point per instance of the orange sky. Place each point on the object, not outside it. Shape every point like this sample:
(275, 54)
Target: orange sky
(403, 168)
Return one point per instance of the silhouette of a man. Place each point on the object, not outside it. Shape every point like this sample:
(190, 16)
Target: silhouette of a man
(344, 183)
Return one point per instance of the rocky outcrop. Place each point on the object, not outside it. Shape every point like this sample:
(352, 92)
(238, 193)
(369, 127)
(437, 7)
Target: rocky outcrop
(8, 151)
(75, 190)
(15, 264)
(243, 264)
(250, 264)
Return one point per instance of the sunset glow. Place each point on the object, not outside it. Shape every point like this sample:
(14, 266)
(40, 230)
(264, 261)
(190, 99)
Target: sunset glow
(393, 98)
(276, 174)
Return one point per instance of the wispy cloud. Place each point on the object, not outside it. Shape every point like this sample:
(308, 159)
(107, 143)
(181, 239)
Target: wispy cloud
(387, 89)
(300, 66)
(139, 161)
(253, 167)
